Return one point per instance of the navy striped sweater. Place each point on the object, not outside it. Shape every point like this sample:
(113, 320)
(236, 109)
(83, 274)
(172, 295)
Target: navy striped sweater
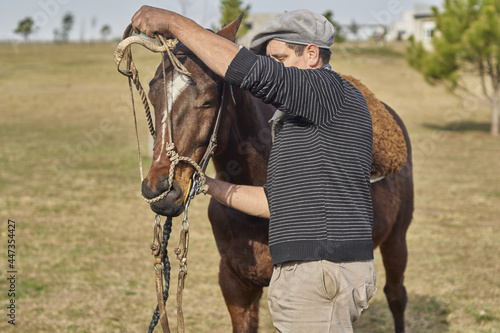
(318, 178)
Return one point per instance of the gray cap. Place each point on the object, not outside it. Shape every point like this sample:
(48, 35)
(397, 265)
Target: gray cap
(300, 26)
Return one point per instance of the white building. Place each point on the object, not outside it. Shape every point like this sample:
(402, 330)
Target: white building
(419, 23)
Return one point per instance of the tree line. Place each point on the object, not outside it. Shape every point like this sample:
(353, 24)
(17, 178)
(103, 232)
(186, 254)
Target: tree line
(230, 9)
(466, 41)
(26, 27)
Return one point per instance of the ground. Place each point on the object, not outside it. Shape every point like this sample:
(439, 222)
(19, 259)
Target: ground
(69, 178)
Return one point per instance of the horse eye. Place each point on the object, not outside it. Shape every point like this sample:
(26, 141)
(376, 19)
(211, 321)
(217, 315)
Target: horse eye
(207, 104)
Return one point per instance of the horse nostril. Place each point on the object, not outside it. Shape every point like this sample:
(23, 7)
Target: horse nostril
(147, 192)
(171, 203)
(160, 187)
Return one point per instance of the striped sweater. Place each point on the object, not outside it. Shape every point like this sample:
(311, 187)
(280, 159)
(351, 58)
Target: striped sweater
(318, 178)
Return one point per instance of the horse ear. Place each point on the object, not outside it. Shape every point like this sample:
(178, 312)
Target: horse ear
(229, 31)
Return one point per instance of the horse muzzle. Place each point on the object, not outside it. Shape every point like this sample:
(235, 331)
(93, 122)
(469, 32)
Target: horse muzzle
(171, 204)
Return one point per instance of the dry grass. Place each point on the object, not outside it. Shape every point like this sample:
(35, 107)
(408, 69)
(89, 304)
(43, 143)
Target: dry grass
(69, 177)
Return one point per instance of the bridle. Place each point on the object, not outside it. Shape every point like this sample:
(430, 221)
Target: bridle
(123, 52)
(197, 184)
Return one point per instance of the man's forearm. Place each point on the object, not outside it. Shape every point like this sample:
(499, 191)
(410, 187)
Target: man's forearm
(215, 51)
(251, 200)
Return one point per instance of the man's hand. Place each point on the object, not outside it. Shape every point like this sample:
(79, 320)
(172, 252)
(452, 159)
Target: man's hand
(215, 51)
(151, 21)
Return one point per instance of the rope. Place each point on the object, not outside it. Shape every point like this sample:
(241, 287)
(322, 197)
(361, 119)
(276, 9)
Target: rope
(167, 229)
(144, 99)
(162, 279)
(170, 45)
(123, 51)
(175, 158)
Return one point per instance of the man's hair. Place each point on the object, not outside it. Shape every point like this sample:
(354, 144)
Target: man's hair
(324, 54)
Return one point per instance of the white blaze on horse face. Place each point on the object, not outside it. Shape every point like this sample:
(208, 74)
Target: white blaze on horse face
(179, 83)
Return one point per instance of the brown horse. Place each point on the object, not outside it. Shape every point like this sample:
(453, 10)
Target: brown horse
(244, 142)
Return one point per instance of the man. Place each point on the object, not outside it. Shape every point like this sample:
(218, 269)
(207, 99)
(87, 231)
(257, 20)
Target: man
(317, 194)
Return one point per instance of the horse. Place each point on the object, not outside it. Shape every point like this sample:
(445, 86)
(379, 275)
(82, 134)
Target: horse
(243, 148)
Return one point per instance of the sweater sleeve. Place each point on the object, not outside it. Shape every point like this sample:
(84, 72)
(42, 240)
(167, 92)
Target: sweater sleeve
(303, 93)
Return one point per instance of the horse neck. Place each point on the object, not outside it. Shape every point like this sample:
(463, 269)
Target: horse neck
(245, 139)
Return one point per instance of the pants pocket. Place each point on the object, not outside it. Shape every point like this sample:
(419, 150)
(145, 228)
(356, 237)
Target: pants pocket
(328, 282)
(362, 295)
(364, 292)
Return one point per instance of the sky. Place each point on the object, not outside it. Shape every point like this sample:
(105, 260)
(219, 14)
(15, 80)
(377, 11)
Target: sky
(91, 15)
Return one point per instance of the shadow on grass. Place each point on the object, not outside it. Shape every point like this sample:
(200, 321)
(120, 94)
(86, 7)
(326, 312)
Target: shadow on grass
(423, 314)
(466, 126)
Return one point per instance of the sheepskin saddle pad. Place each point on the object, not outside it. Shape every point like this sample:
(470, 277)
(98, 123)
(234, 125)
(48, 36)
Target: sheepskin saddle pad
(389, 145)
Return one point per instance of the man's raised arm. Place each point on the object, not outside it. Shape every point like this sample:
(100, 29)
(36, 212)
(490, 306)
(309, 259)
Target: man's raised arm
(215, 51)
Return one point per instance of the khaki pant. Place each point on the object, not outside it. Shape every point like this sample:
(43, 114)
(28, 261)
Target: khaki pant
(319, 296)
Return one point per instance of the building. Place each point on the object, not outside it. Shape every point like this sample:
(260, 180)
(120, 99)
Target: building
(419, 23)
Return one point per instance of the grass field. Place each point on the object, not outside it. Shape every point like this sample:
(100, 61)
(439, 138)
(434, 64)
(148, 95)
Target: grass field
(69, 179)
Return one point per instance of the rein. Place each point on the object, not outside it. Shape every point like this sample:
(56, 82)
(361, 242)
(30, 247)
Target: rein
(196, 186)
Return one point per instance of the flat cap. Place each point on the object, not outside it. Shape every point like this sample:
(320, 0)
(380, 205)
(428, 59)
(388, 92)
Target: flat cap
(299, 26)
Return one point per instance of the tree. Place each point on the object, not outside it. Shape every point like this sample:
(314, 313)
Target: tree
(57, 36)
(93, 25)
(230, 9)
(67, 25)
(354, 29)
(26, 27)
(466, 41)
(339, 35)
(105, 31)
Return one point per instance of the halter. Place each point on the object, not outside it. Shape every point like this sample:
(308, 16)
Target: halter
(165, 46)
(174, 157)
(196, 186)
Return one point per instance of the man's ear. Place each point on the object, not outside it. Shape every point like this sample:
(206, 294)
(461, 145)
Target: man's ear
(312, 53)
(230, 30)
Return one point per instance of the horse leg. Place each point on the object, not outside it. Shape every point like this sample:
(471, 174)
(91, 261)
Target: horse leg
(242, 300)
(395, 255)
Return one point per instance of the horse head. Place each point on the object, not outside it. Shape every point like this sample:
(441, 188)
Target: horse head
(185, 111)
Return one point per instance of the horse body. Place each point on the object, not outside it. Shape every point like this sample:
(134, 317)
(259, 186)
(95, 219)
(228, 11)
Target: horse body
(244, 143)
(246, 265)
(392, 200)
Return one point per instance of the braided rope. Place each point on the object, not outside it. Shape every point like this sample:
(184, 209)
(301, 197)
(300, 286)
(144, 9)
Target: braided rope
(175, 158)
(144, 99)
(167, 230)
(166, 46)
(123, 51)
(176, 63)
